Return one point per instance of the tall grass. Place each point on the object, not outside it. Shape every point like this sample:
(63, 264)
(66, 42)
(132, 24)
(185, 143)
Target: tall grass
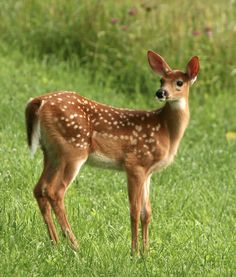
(112, 37)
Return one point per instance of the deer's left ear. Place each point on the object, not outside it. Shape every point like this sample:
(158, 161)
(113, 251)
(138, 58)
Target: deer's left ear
(193, 69)
(158, 64)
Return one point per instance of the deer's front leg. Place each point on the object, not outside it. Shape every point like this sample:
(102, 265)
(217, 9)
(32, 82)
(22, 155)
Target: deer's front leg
(136, 181)
(145, 213)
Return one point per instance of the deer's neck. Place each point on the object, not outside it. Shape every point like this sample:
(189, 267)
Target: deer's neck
(175, 116)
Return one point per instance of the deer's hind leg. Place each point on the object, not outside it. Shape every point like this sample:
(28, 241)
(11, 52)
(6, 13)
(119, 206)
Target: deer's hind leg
(60, 180)
(50, 192)
(43, 202)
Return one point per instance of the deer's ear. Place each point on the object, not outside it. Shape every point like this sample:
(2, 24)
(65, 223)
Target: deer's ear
(158, 64)
(193, 68)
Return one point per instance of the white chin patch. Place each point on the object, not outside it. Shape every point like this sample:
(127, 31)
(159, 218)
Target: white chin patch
(160, 99)
(179, 104)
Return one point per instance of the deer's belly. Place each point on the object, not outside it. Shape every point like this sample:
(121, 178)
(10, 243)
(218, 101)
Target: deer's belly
(162, 164)
(100, 160)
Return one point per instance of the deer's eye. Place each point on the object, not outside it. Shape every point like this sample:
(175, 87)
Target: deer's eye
(179, 83)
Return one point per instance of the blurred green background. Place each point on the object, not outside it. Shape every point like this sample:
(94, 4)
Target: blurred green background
(111, 38)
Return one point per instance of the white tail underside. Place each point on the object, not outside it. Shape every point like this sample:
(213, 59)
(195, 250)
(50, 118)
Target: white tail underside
(35, 138)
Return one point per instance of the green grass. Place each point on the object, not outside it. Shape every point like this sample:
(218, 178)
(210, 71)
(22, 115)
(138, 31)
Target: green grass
(193, 225)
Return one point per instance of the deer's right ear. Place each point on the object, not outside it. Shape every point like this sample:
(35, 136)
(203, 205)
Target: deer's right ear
(158, 64)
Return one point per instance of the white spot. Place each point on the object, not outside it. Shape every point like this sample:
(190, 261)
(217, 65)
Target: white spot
(135, 133)
(134, 141)
(138, 128)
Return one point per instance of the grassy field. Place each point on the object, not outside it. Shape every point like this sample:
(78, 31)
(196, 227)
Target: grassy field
(192, 232)
(193, 226)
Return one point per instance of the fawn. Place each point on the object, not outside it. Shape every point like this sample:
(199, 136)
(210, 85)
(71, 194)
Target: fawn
(72, 130)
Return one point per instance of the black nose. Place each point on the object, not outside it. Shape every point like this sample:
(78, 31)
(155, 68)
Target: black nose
(161, 93)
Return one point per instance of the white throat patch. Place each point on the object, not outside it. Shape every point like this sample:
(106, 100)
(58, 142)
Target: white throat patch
(179, 104)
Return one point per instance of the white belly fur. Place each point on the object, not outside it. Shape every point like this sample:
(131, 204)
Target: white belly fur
(100, 160)
(157, 167)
